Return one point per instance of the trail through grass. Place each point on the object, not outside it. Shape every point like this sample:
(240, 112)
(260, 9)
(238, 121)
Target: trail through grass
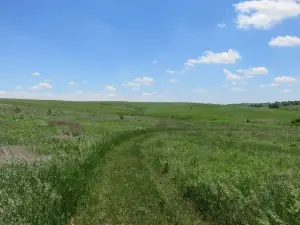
(127, 193)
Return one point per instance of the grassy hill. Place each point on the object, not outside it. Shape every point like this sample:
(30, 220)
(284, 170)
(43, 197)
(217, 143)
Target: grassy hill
(148, 163)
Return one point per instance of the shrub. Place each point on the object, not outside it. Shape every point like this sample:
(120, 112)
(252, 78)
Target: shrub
(49, 112)
(296, 122)
(17, 109)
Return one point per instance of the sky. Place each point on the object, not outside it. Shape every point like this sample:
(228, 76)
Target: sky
(228, 51)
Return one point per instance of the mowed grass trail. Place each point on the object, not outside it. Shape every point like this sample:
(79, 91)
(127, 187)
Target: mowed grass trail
(128, 193)
(148, 163)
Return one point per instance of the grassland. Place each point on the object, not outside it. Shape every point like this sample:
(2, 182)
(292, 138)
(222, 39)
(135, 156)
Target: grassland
(148, 163)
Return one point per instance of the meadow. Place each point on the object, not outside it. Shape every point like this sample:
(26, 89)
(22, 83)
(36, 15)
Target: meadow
(148, 163)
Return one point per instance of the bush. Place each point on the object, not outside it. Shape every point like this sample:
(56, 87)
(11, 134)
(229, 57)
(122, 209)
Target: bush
(296, 122)
(17, 109)
(49, 112)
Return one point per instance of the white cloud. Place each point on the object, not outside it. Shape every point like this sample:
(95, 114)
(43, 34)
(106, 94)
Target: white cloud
(234, 83)
(285, 90)
(237, 89)
(200, 90)
(210, 57)
(110, 88)
(154, 62)
(285, 41)
(146, 94)
(41, 86)
(176, 72)
(36, 74)
(94, 94)
(232, 76)
(265, 14)
(285, 79)
(254, 71)
(170, 71)
(274, 85)
(144, 80)
(71, 83)
(136, 89)
(221, 25)
(19, 87)
(131, 84)
(111, 94)
(173, 80)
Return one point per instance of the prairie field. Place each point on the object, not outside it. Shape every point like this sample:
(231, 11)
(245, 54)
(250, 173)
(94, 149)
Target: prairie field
(148, 163)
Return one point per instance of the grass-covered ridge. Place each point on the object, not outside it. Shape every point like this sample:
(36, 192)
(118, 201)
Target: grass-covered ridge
(148, 163)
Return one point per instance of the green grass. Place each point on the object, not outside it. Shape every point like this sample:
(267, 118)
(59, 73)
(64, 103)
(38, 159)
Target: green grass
(164, 163)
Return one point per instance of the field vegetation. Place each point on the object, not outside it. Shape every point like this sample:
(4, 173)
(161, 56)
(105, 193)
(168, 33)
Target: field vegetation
(148, 163)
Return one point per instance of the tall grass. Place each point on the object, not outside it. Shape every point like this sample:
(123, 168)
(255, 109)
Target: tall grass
(49, 192)
(230, 180)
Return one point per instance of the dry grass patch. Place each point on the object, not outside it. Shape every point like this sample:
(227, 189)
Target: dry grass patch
(15, 154)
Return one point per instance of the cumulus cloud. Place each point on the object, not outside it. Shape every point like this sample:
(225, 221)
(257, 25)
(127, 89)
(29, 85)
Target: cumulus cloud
(173, 80)
(209, 57)
(200, 90)
(71, 83)
(285, 79)
(41, 86)
(146, 94)
(131, 84)
(221, 25)
(265, 14)
(285, 41)
(144, 80)
(36, 74)
(232, 76)
(285, 90)
(274, 85)
(154, 62)
(111, 94)
(94, 94)
(254, 71)
(175, 72)
(110, 88)
(170, 71)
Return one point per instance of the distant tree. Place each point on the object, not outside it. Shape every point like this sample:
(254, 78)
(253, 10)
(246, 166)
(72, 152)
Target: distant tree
(256, 105)
(49, 112)
(274, 106)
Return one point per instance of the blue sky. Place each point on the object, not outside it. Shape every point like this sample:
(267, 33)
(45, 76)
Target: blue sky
(196, 51)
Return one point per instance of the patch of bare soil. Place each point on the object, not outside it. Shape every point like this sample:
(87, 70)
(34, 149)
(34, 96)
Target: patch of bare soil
(15, 154)
(266, 121)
